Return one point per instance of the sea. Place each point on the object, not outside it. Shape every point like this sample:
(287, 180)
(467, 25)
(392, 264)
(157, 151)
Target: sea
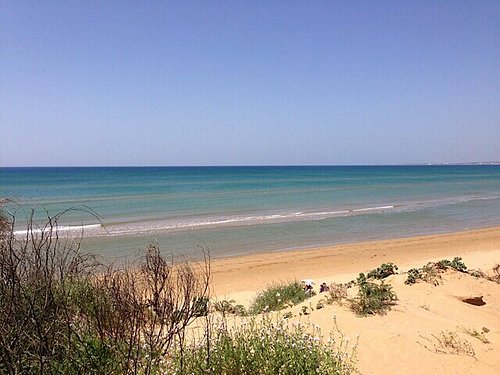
(230, 211)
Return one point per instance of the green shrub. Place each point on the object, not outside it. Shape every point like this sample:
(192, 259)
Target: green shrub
(477, 273)
(62, 313)
(268, 348)
(279, 296)
(386, 269)
(414, 274)
(431, 271)
(90, 355)
(372, 298)
(456, 264)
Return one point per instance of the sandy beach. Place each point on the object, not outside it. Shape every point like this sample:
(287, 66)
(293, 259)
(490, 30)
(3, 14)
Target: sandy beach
(405, 340)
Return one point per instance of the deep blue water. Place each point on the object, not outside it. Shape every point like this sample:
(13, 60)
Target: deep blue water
(235, 210)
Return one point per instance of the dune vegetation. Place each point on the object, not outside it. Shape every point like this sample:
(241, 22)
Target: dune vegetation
(64, 312)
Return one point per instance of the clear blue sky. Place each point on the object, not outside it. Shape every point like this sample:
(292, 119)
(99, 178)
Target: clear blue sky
(249, 82)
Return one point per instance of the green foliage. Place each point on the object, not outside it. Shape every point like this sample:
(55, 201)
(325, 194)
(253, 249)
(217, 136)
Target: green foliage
(279, 296)
(456, 264)
(90, 355)
(414, 274)
(431, 271)
(349, 284)
(477, 273)
(386, 269)
(267, 348)
(62, 313)
(372, 298)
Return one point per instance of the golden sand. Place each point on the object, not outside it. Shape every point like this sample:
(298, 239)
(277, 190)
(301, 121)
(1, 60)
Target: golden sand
(404, 341)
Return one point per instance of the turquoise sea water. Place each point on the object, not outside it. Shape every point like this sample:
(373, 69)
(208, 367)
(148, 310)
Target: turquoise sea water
(237, 210)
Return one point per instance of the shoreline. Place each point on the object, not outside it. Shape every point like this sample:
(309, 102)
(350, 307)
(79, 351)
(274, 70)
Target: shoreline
(252, 272)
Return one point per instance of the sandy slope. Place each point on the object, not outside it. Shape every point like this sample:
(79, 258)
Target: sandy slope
(396, 342)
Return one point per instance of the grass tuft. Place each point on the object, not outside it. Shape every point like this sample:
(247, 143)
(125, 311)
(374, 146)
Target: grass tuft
(448, 342)
(279, 296)
(478, 335)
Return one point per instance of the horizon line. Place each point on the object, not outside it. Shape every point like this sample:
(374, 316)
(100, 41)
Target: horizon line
(257, 165)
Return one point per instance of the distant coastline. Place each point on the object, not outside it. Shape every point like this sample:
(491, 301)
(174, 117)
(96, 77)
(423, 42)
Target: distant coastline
(479, 163)
(470, 163)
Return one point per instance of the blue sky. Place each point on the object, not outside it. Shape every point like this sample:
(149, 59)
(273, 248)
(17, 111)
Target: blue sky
(249, 82)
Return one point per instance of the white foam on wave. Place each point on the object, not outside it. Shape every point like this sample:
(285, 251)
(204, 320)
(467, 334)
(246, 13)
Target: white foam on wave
(59, 228)
(165, 225)
(380, 208)
(173, 225)
(193, 223)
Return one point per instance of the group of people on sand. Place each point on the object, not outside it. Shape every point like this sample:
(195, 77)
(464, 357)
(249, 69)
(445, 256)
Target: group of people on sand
(308, 286)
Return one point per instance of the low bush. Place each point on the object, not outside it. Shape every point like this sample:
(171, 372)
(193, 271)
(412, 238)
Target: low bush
(279, 296)
(431, 271)
(414, 274)
(456, 264)
(372, 298)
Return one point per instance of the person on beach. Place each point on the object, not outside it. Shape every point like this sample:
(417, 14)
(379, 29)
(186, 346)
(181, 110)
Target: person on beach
(308, 285)
(323, 288)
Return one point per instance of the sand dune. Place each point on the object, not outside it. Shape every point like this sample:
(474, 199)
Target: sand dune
(406, 339)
